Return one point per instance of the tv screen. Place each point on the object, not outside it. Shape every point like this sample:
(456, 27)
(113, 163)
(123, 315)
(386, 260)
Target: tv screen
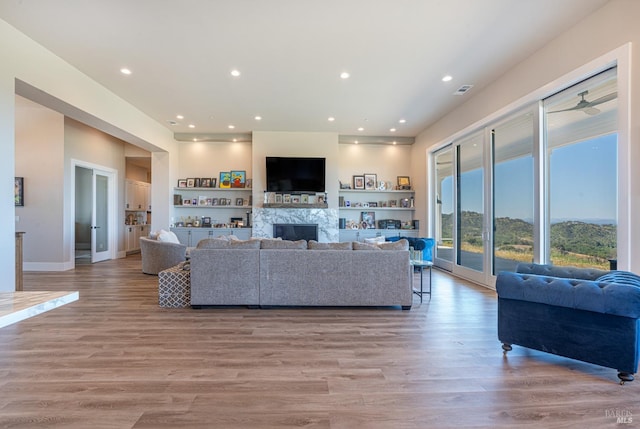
(295, 174)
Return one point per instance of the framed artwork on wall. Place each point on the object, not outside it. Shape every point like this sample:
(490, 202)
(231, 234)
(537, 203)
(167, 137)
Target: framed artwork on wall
(358, 182)
(19, 191)
(225, 179)
(238, 178)
(370, 182)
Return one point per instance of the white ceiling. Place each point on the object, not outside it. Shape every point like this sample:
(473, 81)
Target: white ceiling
(290, 54)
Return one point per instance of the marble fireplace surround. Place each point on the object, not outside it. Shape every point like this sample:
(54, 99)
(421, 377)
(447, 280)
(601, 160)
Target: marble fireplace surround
(326, 219)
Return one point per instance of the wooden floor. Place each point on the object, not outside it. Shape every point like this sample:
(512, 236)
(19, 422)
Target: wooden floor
(114, 359)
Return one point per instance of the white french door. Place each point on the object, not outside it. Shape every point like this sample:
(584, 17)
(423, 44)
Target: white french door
(100, 246)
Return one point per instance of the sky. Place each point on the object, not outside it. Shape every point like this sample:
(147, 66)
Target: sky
(583, 184)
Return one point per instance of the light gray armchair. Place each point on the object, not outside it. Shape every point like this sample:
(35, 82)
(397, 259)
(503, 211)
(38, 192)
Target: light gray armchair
(160, 255)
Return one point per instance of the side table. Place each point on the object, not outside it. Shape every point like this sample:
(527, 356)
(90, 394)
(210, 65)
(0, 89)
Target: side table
(421, 265)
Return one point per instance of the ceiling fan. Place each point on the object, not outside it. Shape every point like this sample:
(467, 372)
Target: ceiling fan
(588, 107)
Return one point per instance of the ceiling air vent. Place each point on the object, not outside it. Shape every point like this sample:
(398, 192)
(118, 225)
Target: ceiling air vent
(463, 89)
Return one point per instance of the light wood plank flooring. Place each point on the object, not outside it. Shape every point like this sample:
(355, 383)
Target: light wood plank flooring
(114, 359)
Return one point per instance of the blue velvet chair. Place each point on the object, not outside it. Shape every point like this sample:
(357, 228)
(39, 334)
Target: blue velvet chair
(584, 314)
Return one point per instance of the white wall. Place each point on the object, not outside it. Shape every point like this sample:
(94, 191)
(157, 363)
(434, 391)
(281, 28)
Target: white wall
(54, 83)
(386, 161)
(208, 159)
(39, 158)
(294, 144)
(545, 72)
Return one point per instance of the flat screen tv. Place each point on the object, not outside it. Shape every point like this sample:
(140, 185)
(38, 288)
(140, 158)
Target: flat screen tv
(287, 174)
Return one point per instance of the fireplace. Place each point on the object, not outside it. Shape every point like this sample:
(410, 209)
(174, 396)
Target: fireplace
(295, 231)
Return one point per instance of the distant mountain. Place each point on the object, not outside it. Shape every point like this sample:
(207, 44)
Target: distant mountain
(596, 238)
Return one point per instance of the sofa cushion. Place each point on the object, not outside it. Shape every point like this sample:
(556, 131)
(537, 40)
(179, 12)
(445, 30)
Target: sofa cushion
(621, 278)
(395, 245)
(314, 245)
(167, 237)
(217, 243)
(365, 246)
(375, 240)
(283, 244)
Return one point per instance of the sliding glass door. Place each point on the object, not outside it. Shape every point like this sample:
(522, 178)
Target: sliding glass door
(539, 185)
(512, 144)
(581, 151)
(470, 233)
(443, 223)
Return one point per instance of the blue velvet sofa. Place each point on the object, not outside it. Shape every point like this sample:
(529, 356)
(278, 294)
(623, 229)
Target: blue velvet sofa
(584, 314)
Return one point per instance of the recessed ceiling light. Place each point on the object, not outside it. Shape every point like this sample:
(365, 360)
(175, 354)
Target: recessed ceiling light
(195, 140)
(191, 126)
(179, 116)
(331, 119)
(231, 126)
(360, 129)
(235, 73)
(395, 143)
(235, 140)
(446, 78)
(402, 121)
(258, 118)
(344, 75)
(393, 130)
(125, 70)
(356, 141)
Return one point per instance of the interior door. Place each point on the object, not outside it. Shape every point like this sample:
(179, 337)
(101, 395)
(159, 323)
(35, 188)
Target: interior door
(100, 249)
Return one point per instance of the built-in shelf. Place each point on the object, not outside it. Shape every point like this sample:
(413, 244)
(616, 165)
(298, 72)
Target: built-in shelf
(294, 206)
(377, 191)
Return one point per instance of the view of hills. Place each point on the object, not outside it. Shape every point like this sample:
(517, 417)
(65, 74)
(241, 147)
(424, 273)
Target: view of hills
(594, 240)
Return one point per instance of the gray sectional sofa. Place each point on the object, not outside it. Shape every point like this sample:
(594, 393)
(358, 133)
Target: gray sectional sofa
(269, 273)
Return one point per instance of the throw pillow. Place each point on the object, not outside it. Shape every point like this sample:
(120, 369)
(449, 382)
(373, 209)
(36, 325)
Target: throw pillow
(314, 245)
(168, 237)
(364, 246)
(396, 245)
(375, 240)
(283, 244)
(620, 277)
(212, 243)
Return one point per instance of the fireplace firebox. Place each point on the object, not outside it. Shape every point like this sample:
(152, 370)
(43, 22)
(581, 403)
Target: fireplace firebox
(295, 231)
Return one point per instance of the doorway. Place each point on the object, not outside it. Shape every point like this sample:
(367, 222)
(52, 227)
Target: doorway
(94, 213)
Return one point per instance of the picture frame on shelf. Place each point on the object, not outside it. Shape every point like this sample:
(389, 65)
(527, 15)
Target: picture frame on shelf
(186, 202)
(295, 199)
(182, 183)
(370, 182)
(225, 180)
(209, 201)
(214, 201)
(194, 201)
(321, 198)
(19, 192)
(404, 182)
(304, 198)
(205, 182)
(196, 182)
(358, 182)
(177, 199)
(238, 178)
(239, 202)
(202, 200)
(286, 198)
(278, 198)
(249, 183)
(368, 219)
(206, 221)
(214, 182)
(191, 183)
